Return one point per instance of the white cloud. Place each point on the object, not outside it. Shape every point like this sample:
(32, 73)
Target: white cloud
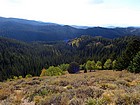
(96, 1)
(78, 12)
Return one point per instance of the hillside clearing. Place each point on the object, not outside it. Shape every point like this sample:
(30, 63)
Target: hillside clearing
(98, 88)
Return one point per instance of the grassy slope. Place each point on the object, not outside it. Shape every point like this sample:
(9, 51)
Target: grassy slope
(102, 87)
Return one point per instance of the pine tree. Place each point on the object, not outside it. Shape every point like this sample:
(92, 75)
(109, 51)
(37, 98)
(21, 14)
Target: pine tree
(135, 64)
(127, 56)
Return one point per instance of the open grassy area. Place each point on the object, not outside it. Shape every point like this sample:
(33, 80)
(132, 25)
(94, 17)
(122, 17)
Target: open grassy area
(92, 88)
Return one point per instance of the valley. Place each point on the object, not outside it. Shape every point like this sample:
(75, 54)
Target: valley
(29, 30)
(54, 64)
(19, 58)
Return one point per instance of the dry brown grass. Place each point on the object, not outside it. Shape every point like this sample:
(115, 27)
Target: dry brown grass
(98, 88)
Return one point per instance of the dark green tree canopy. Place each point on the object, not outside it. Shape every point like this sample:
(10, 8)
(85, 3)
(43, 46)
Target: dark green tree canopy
(19, 58)
(73, 67)
(135, 64)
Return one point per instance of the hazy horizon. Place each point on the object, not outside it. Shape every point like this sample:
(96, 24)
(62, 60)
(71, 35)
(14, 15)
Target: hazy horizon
(103, 13)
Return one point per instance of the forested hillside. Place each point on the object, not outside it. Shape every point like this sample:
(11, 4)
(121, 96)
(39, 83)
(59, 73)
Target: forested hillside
(19, 58)
(28, 30)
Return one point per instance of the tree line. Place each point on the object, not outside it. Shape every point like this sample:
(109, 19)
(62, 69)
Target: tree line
(19, 58)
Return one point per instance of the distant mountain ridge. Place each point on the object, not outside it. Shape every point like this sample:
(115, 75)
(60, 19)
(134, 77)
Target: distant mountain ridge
(30, 30)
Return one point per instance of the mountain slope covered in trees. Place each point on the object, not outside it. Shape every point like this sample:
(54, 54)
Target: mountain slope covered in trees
(28, 30)
(22, 58)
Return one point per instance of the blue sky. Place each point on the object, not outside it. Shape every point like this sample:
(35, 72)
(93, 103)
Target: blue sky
(75, 12)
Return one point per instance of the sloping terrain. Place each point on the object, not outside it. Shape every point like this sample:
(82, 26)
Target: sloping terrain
(28, 30)
(19, 58)
(92, 88)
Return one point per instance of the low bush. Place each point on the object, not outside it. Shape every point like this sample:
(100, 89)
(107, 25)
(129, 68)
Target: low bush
(108, 86)
(98, 101)
(64, 67)
(20, 77)
(54, 71)
(15, 77)
(43, 73)
(28, 76)
(4, 93)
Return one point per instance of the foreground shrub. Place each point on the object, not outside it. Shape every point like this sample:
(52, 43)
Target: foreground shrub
(4, 93)
(75, 101)
(54, 71)
(89, 91)
(98, 101)
(15, 77)
(108, 97)
(129, 99)
(20, 77)
(108, 86)
(58, 99)
(73, 67)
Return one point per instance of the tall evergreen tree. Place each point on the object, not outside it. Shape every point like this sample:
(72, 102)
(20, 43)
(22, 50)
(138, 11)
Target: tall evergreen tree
(132, 48)
(135, 64)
